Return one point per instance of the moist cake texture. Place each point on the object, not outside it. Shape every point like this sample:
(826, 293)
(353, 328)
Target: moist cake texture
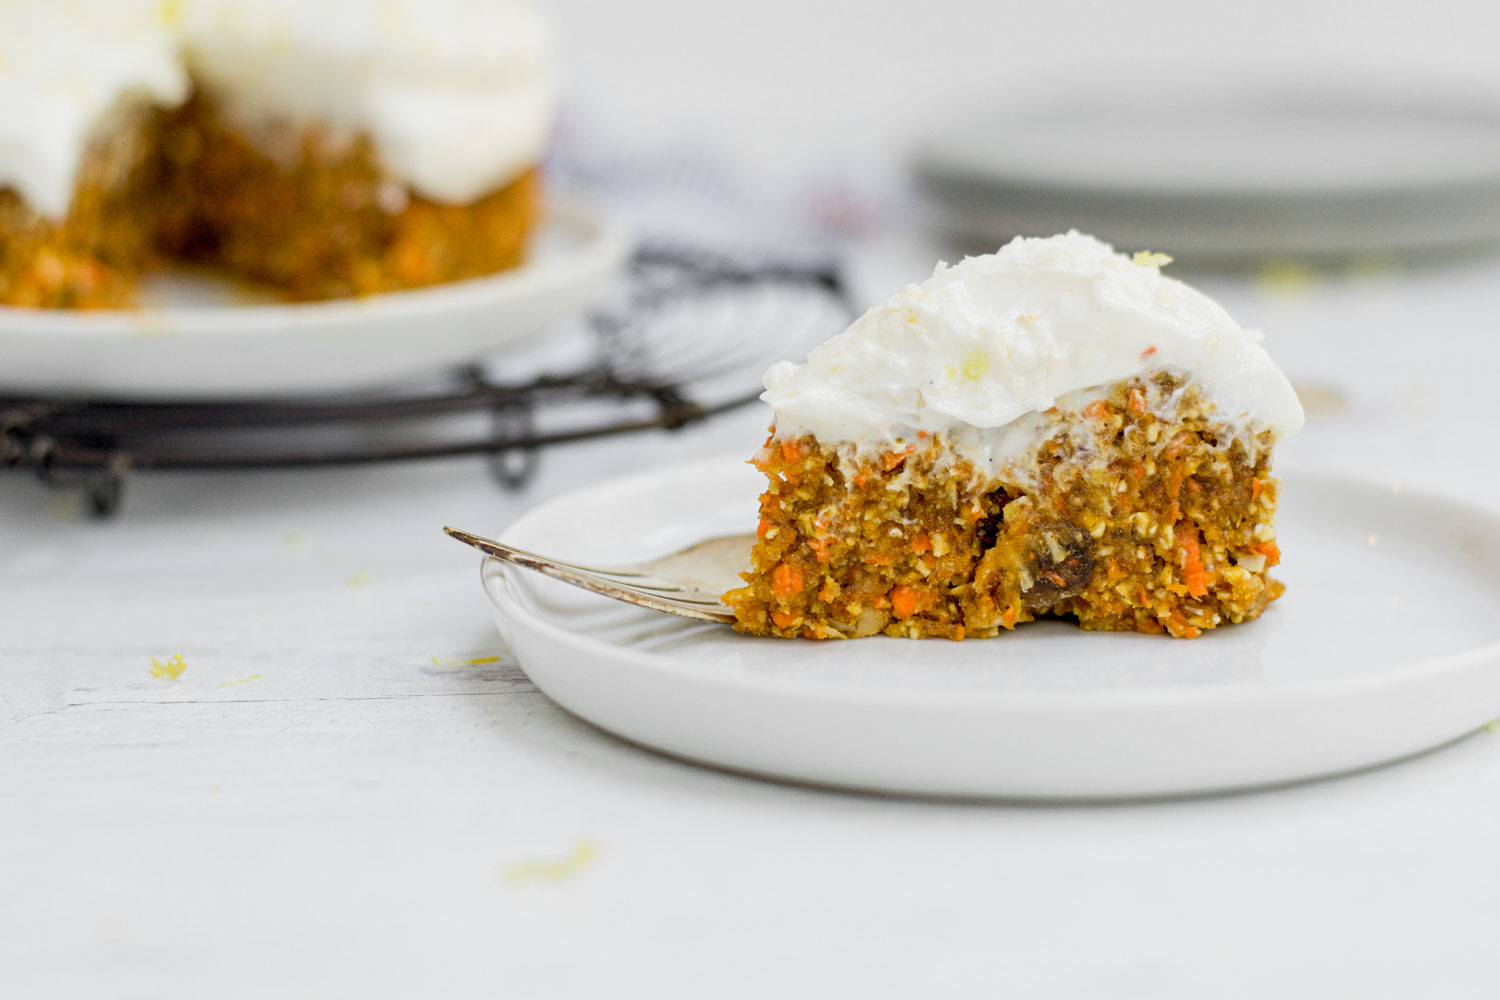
(1054, 430)
(320, 147)
(328, 222)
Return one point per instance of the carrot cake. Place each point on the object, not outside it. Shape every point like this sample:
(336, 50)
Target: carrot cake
(321, 147)
(1051, 430)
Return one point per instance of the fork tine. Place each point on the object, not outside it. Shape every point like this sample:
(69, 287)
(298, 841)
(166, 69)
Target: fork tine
(502, 551)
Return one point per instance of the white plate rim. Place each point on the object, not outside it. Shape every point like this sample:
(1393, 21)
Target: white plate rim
(944, 153)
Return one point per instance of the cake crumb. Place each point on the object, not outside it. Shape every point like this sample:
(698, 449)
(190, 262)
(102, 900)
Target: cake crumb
(171, 670)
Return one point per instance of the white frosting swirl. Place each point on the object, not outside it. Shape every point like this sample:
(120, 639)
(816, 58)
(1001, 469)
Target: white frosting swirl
(66, 68)
(981, 344)
(456, 95)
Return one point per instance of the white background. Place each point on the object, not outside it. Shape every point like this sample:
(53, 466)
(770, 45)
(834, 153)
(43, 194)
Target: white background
(342, 825)
(780, 83)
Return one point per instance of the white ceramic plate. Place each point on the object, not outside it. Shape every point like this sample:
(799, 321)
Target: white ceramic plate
(1285, 176)
(182, 346)
(1386, 643)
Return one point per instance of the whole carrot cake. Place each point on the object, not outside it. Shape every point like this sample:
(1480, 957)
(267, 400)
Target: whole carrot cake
(321, 147)
(1051, 430)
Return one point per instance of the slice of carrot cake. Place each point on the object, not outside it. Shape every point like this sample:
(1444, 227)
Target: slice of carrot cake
(1054, 429)
(321, 147)
(339, 147)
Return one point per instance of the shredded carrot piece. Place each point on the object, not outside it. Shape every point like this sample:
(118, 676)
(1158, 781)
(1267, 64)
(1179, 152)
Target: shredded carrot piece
(1137, 470)
(903, 601)
(1270, 551)
(1056, 578)
(791, 451)
(1174, 482)
(763, 527)
(1181, 627)
(1137, 401)
(1008, 619)
(880, 559)
(1097, 410)
(1254, 489)
(1193, 573)
(786, 580)
(920, 542)
(893, 460)
(1149, 351)
(820, 547)
(783, 619)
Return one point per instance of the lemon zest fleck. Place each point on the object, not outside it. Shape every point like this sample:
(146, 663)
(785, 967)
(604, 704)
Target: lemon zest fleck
(63, 506)
(1285, 278)
(1146, 258)
(553, 869)
(976, 365)
(359, 579)
(171, 670)
(1493, 726)
(476, 661)
(242, 680)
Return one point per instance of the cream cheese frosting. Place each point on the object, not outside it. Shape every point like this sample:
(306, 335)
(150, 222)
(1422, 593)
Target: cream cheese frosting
(981, 346)
(457, 96)
(67, 67)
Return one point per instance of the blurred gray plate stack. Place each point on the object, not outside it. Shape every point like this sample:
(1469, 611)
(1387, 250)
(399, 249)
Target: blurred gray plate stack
(1224, 182)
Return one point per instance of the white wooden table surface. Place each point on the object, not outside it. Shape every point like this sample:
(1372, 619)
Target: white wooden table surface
(332, 800)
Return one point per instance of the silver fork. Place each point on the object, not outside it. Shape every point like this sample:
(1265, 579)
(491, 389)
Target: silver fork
(686, 583)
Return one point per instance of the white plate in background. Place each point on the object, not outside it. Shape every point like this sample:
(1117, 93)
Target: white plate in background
(183, 347)
(1386, 644)
(1288, 176)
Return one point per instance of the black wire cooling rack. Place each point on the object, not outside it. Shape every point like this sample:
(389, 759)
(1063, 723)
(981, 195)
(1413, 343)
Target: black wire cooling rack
(688, 338)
